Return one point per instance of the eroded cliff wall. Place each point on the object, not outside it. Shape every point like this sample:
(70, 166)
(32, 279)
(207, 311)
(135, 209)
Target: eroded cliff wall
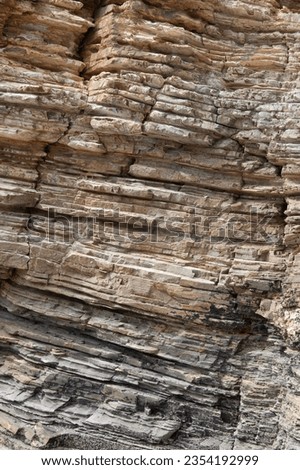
(150, 221)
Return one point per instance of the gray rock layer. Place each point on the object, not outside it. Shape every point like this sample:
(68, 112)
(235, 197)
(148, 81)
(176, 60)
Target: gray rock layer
(150, 221)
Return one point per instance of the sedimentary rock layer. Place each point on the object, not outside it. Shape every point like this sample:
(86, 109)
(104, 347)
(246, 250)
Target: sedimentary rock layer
(150, 214)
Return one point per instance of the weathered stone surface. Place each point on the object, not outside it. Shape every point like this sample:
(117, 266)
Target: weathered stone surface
(149, 228)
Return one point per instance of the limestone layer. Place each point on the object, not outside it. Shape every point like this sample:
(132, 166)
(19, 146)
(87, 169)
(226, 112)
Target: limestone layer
(150, 221)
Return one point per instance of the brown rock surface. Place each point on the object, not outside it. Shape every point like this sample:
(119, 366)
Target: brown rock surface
(150, 221)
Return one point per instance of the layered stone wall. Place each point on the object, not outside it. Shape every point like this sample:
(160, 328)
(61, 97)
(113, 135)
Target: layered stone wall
(150, 220)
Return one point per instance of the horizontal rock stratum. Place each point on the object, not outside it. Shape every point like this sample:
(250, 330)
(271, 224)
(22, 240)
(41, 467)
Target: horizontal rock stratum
(150, 224)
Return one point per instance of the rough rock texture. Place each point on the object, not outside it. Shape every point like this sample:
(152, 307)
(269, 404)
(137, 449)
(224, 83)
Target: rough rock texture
(150, 221)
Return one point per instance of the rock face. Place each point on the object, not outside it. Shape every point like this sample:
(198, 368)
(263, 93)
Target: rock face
(150, 221)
